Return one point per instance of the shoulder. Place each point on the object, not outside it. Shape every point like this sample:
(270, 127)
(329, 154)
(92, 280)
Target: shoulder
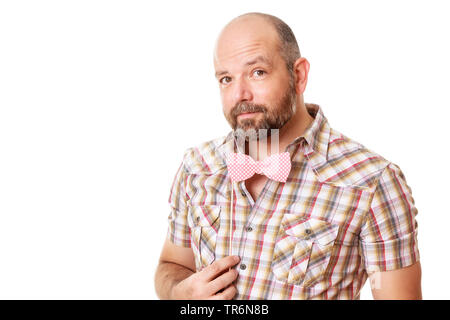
(355, 164)
(205, 157)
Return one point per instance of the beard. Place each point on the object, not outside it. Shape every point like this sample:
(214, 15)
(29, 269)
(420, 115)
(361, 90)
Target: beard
(273, 117)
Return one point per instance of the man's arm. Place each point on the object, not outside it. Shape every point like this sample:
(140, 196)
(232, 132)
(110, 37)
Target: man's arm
(175, 264)
(400, 284)
(388, 239)
(175, 277)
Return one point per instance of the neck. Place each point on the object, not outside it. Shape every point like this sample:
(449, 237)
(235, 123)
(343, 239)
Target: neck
(295, 127)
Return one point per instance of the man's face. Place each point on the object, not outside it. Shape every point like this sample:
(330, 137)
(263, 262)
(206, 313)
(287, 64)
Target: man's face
(256, 88)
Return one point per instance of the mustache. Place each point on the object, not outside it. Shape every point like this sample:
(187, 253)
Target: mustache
(247, 107)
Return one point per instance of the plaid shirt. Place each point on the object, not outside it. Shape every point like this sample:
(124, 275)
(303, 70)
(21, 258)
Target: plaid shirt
(344, 211)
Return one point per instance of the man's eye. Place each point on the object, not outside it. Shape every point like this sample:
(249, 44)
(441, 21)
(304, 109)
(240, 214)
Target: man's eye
(259, 72)
(226, 79)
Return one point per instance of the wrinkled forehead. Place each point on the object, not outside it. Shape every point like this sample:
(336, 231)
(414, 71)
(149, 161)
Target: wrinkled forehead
(244, 39)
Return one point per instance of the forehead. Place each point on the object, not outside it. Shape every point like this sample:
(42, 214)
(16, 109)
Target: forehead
(245, 41)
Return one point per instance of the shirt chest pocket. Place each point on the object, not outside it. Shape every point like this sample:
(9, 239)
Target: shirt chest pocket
(303, 249)
(204, 223)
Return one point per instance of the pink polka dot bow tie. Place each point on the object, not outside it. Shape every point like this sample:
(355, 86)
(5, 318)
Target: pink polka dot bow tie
(275, 167)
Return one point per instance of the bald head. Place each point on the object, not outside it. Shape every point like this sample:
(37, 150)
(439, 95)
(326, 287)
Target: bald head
(275, 30)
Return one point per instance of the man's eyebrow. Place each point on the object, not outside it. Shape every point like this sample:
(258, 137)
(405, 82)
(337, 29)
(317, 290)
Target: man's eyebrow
(248, 63)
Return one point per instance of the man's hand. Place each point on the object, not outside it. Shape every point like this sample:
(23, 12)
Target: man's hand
(209, 282)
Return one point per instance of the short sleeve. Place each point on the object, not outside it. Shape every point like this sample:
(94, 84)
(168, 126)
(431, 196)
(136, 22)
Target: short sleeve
(178, 229)
(388, 238)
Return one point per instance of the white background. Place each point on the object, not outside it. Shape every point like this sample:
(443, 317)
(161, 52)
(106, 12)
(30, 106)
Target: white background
(99, 100)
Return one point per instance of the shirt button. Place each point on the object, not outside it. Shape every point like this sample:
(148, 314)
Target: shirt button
(243, 267)
(308, 231)
(249, 229)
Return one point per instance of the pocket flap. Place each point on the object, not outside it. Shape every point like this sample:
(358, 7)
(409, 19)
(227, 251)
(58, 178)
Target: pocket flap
(204, 216)
(310, 229)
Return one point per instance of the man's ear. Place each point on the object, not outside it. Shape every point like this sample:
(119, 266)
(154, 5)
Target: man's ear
(301, 70)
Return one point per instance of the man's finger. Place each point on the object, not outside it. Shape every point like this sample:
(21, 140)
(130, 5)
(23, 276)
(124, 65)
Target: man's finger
(222, 281)
(227, 294)
(212, 271)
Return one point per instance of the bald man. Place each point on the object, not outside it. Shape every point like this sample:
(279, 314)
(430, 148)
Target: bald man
(341, 214)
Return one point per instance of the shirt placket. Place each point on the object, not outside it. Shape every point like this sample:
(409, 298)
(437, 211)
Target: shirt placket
(248, 236)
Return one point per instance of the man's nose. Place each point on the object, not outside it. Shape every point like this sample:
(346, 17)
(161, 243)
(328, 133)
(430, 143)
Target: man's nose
(242, 91)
